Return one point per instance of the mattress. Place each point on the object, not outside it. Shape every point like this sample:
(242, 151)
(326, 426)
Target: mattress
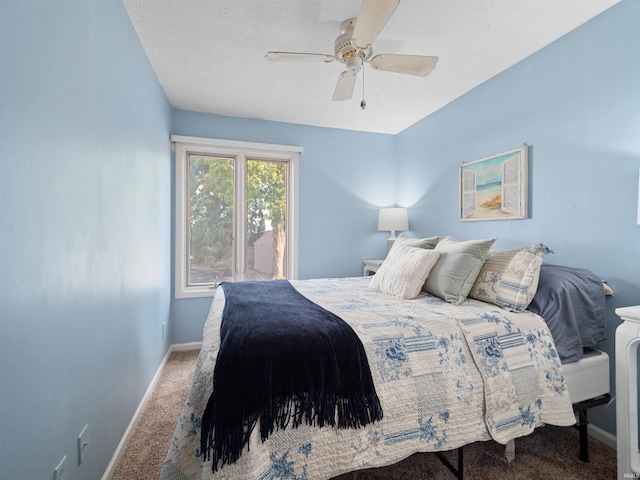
(588, 377)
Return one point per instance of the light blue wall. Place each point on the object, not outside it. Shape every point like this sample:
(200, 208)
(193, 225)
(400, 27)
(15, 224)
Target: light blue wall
(577, 104)
(85, 234)
(85, 203)
(345, 176)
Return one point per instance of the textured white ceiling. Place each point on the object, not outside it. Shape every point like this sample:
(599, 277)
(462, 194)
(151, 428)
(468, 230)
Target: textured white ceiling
(209, 55)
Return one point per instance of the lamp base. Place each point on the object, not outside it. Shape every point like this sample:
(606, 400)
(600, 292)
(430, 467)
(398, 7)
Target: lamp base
(391, 240)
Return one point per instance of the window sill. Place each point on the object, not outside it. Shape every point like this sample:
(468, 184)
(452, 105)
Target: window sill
(196, 292)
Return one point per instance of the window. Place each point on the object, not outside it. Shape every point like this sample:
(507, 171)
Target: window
(236, 213)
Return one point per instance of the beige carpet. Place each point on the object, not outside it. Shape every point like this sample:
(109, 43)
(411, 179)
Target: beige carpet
(149, 443)
(549, 453)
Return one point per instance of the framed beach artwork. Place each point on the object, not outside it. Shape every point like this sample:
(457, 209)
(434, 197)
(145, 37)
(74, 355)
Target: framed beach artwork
(495, 187)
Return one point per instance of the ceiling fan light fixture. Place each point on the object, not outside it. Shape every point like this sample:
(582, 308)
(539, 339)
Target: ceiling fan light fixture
(354, 47)
(354, 63)
(343, 47)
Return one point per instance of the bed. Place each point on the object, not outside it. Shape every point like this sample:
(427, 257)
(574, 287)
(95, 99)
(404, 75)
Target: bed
(447, 373)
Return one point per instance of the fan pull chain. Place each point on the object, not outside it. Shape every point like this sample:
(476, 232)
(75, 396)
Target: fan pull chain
(363, 103)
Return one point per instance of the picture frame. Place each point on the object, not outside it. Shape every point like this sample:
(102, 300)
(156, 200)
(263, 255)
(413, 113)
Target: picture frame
(494, 187)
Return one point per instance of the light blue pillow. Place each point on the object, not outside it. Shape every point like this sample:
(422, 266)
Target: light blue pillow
(457, 268)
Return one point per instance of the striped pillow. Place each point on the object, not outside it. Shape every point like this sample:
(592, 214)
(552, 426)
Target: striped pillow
(510, 278)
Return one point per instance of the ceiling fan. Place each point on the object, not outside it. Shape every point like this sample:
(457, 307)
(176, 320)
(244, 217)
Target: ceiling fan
(354, 46)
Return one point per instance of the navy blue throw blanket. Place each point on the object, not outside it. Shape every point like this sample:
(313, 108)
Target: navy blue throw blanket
(283, 361)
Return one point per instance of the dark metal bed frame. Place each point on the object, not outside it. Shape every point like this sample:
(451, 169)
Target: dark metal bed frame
(583, 422)
(459, 471)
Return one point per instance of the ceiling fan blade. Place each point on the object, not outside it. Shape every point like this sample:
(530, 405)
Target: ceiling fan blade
(345, 86)
(299, 57)
(420, 65)
(372, 18)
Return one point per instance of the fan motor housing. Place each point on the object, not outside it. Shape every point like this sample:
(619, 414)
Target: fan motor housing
(344, 47)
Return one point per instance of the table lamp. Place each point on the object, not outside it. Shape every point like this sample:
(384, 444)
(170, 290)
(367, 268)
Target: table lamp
(392, 219)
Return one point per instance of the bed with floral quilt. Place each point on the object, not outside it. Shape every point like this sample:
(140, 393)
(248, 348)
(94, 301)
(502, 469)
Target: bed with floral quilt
(448, 371)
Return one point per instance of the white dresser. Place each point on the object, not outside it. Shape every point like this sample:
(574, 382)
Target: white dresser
(627, 342)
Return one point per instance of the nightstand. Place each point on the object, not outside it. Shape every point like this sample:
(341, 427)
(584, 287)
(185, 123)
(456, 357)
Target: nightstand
(371, 267)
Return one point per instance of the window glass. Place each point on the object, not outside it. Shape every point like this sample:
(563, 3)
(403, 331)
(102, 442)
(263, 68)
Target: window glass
(266, 239)
(211, 214)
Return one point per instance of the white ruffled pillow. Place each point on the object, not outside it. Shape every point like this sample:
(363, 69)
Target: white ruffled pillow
(404, 271)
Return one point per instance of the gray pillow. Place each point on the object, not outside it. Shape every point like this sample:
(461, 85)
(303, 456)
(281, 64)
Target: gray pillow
(402, 239)
(457, 268)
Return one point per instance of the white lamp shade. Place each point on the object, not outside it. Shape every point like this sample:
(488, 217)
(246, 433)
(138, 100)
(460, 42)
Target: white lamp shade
(391, 219)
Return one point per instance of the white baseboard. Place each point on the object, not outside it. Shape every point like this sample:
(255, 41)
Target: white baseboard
(603, 436)
(136, 416)
(181, 347)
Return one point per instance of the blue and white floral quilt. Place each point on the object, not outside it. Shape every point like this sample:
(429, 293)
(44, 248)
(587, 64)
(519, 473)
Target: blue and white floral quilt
(446, 375)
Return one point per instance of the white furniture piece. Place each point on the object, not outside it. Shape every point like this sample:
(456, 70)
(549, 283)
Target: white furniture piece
(627, 341)
(371, 267)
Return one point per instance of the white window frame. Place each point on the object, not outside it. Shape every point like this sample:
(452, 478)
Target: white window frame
(241, 151)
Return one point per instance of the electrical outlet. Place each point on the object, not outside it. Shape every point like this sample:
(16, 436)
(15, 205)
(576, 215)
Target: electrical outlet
(59, 472)
(83, 444)
(163, 329)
